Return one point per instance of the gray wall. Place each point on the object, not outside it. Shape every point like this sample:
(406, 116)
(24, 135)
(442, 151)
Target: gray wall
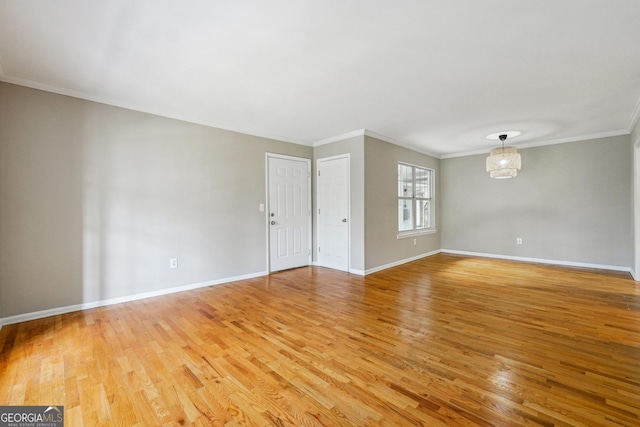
(94, 200)
(382, 247)
(570, 202)
(355, 148)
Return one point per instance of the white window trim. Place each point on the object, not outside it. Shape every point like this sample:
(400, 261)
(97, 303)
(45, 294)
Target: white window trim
(408, 234)
(414, 233)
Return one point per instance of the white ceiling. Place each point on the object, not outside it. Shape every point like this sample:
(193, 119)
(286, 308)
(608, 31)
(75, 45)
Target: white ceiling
(437, 76)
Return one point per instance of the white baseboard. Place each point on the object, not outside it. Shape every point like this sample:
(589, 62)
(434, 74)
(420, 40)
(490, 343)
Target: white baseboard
(403, 261)
(111, 301)
(542, 261)
(85, 306)
(351, 270)
(382, 267)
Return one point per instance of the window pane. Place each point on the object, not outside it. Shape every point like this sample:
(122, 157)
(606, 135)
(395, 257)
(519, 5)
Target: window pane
(423, 214)
(405, 181)
(423, 178)
(405, 215)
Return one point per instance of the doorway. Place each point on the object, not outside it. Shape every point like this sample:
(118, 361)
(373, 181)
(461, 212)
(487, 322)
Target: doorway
(289, 211)
(333, 212)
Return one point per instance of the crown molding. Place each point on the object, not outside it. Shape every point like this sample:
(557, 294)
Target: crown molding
(635, 118)
(107, 101)
(401, 144)
(544, 143)
(100, 100)
(371, 134)
(340, 137)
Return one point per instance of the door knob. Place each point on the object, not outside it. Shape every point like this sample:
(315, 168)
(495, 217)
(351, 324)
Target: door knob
(344, 219)
(273, 223)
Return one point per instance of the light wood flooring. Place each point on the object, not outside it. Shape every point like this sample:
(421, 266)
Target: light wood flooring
(446, 340)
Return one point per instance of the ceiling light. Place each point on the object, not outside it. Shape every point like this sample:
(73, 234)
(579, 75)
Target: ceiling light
(503, 162)
(509, 133)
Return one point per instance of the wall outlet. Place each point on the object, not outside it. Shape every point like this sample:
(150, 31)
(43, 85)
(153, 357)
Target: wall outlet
(519, 241)
(173, 263)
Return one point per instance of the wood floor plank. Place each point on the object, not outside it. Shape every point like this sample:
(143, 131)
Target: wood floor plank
(445, 340)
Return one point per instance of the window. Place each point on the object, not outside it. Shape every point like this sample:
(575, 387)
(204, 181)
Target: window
(415, 206)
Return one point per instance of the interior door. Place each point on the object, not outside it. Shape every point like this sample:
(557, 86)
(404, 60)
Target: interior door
(289, 212)
(333, 212)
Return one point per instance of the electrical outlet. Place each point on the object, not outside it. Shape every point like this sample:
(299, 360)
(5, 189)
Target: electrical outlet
(173, 263)
(519, 241)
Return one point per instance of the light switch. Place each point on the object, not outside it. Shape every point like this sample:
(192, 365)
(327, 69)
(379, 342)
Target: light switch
(261, 207)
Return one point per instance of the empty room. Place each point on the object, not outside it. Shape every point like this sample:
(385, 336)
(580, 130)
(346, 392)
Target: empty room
(334, 213)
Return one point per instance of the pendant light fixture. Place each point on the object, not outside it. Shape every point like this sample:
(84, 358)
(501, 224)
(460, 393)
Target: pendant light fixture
(503, 162)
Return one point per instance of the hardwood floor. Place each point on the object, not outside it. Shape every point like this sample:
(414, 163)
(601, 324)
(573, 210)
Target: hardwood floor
(446, 340)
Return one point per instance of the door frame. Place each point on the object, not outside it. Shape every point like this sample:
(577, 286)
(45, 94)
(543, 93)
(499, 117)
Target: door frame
(324, 159)
(268, 156)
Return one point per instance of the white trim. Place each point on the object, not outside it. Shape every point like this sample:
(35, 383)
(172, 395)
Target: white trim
(400, 144)
(111, 301)
(337, 156)
(619, 132)
(432, 190)
(101, 303)
(635, 116)
(342, 137)
(540, 260)
(114, 103)
(416, 233)
(403, 261)
(287, 157)
(367, 132)
(267, 209)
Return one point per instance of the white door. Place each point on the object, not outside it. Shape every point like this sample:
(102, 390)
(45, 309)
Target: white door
(289, 212)
(333, 212)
